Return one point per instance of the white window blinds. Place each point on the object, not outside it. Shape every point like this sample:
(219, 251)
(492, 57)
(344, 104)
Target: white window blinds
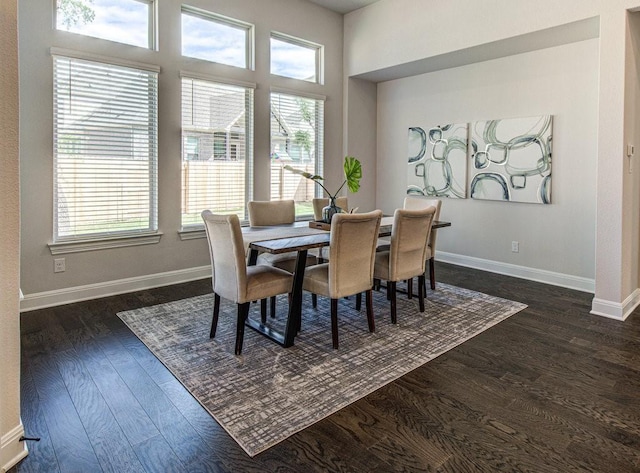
(217, 149)
(297, 137)
(105, 150)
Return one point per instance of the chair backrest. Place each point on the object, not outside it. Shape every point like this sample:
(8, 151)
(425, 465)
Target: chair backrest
(416, 203)
(226, 248)
(409, 238)
(271, 212)
(353, 246)
(322, 202)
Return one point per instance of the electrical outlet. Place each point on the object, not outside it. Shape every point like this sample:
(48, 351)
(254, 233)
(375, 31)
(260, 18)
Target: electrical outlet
(515, 247)
(59, 265)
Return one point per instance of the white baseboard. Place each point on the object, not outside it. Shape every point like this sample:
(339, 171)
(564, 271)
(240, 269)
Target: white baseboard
(69, 295)
(41, 300)
(523, 272)
(616, 310)
(12, 450)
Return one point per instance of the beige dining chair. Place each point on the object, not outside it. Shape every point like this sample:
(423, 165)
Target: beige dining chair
(320, 203)
(406, 257)
(232, 278)
(350, 269)
(415, 203)
(276, 212)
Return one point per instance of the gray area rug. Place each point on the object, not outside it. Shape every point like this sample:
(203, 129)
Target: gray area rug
(269, 393)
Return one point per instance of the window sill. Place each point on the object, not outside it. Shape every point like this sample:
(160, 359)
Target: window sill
(192, 234)
(79, 246)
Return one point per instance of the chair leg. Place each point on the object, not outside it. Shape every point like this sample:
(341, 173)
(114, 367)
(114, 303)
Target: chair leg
(358, 301)
(376, 284)
(314, 300)
(392, 297)
(334, 322)
(216, 312)
(263, 311)
(273, 307)
(421, 291)
(369, 303)
(432, 273)
(410, 288)
(243, 312)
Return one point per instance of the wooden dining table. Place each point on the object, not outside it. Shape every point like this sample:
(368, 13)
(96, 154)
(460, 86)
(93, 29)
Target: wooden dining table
(299, 237)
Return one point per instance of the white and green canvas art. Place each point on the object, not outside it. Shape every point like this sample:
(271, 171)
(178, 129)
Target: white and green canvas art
(437, 161)
(510, 160)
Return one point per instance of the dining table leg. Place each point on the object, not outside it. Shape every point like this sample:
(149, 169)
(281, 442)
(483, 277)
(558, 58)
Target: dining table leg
(294, 319)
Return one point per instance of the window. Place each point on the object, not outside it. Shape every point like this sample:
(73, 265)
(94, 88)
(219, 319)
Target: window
(105, 150)
(216, 38)
(297, 135)
(217, 148)
(124, 21)
(296, 58)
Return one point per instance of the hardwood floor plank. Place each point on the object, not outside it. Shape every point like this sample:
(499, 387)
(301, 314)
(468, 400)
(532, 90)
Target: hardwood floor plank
(107, 438)
(171, 424)
(42, 457)
(155, 454)
(74, 450)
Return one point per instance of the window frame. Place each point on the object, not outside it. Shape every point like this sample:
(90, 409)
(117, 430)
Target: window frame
(249, 54)
(303, 43)
(152, 28)
(319, 155)
(102, 240)
(192, 231)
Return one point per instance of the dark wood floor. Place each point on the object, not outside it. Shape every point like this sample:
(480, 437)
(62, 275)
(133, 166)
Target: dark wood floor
(551, 389)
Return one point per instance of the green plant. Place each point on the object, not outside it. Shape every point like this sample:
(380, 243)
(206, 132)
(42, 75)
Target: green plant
(352, 175)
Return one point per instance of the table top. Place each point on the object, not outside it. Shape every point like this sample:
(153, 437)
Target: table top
(299, 236)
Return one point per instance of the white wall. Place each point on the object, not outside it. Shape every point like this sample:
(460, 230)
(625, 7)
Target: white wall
(178, 259)
(11, 450)
(398, 36)
(632, 165)
(560, 81)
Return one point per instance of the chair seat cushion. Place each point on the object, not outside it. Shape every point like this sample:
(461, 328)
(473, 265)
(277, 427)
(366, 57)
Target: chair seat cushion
(286, 261)
(265, 281)
(381, 268)
(316, 279)
(320, 253)
(383, 245)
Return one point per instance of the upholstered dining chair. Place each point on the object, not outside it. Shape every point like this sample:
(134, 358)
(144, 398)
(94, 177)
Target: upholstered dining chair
(415, 203)
(350, 269)
(320, 203)
(232, 278)
(276, 212)
(406, 257)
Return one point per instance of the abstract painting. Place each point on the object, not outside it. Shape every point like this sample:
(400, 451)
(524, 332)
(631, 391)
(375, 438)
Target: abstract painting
(438, 161)
(511, 160)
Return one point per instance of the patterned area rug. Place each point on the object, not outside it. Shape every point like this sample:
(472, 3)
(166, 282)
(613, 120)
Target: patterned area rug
(269, 393)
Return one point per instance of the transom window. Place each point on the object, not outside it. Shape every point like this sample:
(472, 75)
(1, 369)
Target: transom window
(296, 58)
(105, 150)
(124, 21)
(217, 149)
(216, 38)
(297, 135)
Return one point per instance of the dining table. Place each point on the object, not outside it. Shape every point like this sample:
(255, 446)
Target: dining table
(299, 237)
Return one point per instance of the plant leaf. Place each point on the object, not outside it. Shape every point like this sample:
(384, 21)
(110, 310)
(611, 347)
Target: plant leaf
(352, 173)
(313, 177)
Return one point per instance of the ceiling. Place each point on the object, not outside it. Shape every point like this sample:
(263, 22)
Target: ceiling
(343, 6)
